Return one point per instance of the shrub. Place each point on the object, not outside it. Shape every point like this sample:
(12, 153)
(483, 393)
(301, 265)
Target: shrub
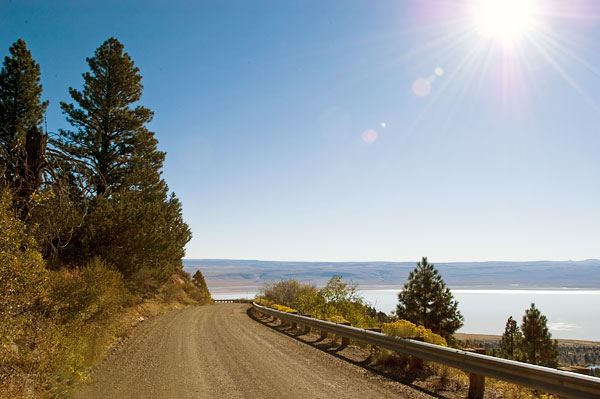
(337, 298)
(90, 294)
(22, 288)
(285, 292)
(282, 308)
(336, 319)
(406, 329)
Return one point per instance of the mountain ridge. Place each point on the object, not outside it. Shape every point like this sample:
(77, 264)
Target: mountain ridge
(252, 274)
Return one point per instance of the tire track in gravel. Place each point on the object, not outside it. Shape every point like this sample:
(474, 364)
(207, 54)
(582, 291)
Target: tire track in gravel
(217, 351)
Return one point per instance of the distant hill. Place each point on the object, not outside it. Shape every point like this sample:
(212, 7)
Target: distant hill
(225, 274)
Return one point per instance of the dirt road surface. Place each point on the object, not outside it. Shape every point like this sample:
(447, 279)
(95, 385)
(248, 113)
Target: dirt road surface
(219, 351)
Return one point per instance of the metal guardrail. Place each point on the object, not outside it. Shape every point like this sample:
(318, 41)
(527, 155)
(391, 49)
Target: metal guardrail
(563, 383)
(232, 300)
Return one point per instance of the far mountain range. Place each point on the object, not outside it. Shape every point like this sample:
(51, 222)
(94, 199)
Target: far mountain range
(225, 275)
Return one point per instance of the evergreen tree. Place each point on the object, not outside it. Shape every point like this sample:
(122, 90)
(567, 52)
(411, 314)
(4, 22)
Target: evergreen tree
(537, 346)
(110, 133)
(133, 222)
(200, 282)
(511, 339)
(426, 300)
(22, 143)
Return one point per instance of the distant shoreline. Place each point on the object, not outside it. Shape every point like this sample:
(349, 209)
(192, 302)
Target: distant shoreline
(242, 275)
(242, 289)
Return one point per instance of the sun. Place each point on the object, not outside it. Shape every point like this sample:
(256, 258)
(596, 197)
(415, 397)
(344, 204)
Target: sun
(504, 20)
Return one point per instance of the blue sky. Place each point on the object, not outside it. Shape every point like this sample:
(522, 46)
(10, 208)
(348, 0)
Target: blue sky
(320, 130)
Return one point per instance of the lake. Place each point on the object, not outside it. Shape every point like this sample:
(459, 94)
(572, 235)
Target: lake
(572, 314)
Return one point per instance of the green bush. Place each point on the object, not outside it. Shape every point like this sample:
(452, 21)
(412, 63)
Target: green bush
(336, 299)
(285, 292)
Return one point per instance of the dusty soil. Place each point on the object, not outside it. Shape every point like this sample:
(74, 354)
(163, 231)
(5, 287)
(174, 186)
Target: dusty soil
(221, 351)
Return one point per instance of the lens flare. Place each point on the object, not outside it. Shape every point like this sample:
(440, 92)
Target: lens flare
(369, 136)
(421, 87)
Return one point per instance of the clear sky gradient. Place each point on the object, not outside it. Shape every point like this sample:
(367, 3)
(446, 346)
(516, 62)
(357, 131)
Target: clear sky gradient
(354, 130)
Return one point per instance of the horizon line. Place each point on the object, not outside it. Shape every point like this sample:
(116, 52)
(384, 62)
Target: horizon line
(390, 261)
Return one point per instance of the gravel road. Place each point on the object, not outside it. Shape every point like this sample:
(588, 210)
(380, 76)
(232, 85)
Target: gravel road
(218, 351)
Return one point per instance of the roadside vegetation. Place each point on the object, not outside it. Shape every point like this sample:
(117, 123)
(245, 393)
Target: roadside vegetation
(426, 309)
(91, 240)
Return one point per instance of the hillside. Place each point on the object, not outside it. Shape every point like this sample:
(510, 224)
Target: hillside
(225, 274)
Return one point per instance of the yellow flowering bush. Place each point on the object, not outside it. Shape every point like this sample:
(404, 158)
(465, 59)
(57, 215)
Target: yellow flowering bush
(336, 319)
(406, 329)
(282, 308)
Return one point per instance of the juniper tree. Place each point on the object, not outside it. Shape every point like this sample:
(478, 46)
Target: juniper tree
(426, 300)
(22, 142)
(537, 346)
(200, 282)
(511, 339)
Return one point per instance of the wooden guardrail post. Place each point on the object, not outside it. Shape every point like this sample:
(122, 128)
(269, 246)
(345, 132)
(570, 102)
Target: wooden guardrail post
(476, 381)
(372, 348)
(416, 363)
(306, 328)
(323, 333)
(294, 324)
(345, 340)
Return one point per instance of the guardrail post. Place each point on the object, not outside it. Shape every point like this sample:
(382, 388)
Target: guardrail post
(323, 334)
(306, 328)
(476, 381)
(372, 348)
(345, 341)
(293, 323)
(416, 362)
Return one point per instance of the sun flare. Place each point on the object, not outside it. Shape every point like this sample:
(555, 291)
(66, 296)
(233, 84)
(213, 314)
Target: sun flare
(504, 20)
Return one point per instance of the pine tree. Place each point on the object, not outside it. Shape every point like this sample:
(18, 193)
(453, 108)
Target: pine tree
(511, 339)
(22, 143)
(133, 222)
(537, 346)
(426, 300)
(111, 134)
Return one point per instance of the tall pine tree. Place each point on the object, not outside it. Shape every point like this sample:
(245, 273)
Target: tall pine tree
(511, 339)
(426, 300)
(110, 132)
(537, 346)
(133, 222)
(22, 143)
